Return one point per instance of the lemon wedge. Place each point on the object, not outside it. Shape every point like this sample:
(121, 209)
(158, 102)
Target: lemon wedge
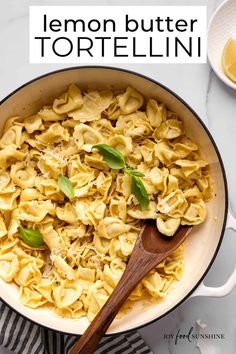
(229, 59)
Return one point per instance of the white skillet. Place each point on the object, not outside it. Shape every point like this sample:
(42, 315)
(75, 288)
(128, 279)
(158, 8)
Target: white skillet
(204, 242)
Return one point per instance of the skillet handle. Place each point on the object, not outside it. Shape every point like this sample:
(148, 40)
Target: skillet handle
(225, 289)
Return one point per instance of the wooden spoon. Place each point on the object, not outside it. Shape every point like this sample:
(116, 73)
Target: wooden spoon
(150, 249)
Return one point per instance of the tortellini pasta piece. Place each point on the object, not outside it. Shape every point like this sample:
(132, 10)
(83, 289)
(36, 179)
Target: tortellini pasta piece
(9, 155)
(118, 208)
(135, 157)
(154, 284)
(16, 120)
(121, 143)
(74, 311)
(134, 124)
(29, 271)
(148, 153)
(115, 249)
(86, 277)
(130, 101)
(149, 213)
(33, 124)
(84, 191)
(96, 298)
(13, 225)
(34, 210)
(54, 134)
(8, 200)
(195, 214)
(154, 113)
(183, 146)
(12, 137)
(3, 229)
(205, 185)
(113, 111)
(74, 231)
(159, 177)
(96, 160)
(165, 153)
(137, 293)
(85, 137)
(47, 114)
(23, 175)
(90, 213)
(163, 180)
(173, 204)
(63, 268)
(113, 273)
(51, 165)
(171, 185)
(50, 236)
(6, 184)
(75, 166)
(127, 242)
(68, 101)
(46, 186)
(123, 185)
(31, 298)
(67, 213)
(183, 181)
(193, 194)
(94, 103)
(103, 183)
(9, 266)
(66, 293)
(191, 169)
(104, 127)
(170, 129)
(174, 267)
(7, 245)
(69, 148)
(45, 289)
(167, 225)
(102, 244)
(110, 227)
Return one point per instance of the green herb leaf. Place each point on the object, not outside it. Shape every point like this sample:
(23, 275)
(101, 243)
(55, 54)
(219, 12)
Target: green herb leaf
(32, 238)
(116, 161)
(66, 187)
(113, 157)
(138, 189)
(131, 172)
(137, 173)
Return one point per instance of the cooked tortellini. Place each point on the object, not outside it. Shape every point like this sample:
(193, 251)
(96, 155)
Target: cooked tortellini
(88, 238)
(68, 101)
(85, 137)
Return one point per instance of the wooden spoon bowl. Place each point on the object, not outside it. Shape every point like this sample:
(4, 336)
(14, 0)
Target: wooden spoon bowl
(150, 249)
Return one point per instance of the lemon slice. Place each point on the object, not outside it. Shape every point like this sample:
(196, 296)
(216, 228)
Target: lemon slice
(229, 59)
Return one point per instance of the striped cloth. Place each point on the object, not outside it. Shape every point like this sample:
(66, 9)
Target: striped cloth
(24, 337)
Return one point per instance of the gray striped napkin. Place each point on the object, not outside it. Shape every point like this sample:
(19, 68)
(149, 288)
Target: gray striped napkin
(24, 337)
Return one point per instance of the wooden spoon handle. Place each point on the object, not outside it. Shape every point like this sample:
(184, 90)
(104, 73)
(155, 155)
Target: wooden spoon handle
(139, 265)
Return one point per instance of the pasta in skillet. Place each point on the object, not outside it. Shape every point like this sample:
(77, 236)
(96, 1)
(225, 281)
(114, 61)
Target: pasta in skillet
(87, 239)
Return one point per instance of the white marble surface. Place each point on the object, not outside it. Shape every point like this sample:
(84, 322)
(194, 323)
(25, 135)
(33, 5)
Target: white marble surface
(216, 105)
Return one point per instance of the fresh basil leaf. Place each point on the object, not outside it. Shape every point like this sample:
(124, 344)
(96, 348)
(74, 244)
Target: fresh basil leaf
(32, 238)
(137, 173)
(113, 157)
(131, 172)
(66, 187)
(138, 189)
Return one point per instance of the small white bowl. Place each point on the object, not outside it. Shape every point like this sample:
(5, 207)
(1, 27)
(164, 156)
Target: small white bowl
(221, 27)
